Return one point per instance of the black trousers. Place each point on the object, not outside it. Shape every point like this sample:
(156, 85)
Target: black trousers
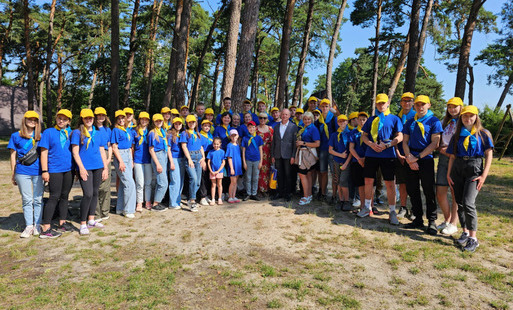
(426, 176)
(205, 185)
(284, 176)
(90, 191)
(60, 186)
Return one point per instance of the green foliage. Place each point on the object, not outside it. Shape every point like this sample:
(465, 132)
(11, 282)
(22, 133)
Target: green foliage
(491, 120)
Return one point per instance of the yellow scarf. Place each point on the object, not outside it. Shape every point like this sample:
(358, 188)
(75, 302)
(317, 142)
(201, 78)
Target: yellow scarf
(350, 127)
(124, 129)
(226, 128)
(59, 129)
(359, 128)
(161, 134)
(251, 139)
(326, 131)
(466, 142)
(421, 126)
(86, 133)
(167, 125)
(377, 123)
(141, 134)
(193, 134)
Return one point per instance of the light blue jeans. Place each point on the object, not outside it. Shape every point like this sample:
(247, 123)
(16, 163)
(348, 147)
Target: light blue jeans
(144, 182)
(31, 189)
(126, 192)
(194, 173)
(161, 186)
(251, 177)
(176, 182)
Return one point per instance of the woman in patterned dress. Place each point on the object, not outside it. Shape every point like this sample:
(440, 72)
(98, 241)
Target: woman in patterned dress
(266, 132)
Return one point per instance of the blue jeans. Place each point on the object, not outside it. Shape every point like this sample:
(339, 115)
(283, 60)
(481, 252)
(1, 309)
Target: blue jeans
(31, 189)
(144, 182)
(251, 177)
(176, 182)
(126, 193)
(161, 186)
(194, 173)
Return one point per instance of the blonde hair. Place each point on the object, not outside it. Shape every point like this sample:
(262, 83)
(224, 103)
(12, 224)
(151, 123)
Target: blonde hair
(24, 130)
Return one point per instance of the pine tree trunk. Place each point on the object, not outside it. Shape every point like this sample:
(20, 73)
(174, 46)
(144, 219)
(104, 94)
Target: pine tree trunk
(5, 38)
(181, 54)
(413, 53)
(399, 68)
(466, 42)
(284, 55)
(150, 62)
(376, 58)
(60, 81)
(254, 76)
(171, 74)
(423, 32)
(471, 85)
(91, 89)
(504, 93)
(131, 55)
(231, 49)
(30, 70)
(49, 56)
(297, 96)
(114, 58)
(333, 47)
(245, 54)
(214, 81)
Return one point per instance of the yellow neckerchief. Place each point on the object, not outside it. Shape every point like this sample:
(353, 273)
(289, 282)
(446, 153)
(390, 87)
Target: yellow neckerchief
(205, 134)
(251, 139)
(167, 125)
(340, 131)
(350, 127)
(124, 129)
(159, 133)
(141, 134)
(302, 130)
(466, 142)
(59, 129)
(359, 128)
(193, 134)
(226, 128)
(377, 123)
(86, 133)
(326, 131)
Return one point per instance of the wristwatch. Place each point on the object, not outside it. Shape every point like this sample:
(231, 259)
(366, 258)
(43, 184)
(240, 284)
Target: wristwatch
(389, 144)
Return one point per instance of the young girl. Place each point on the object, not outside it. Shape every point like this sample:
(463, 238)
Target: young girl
(130, 122)
(206, 141)
(243, 129)
(465, 173)
(193, 150)
(449, 226)
(143, 172)
(121, 140)
(28, 177)
(88, 149)
(56, 164)
(209, 115)
(166, 113)
(252, 153)
(102, 122)
(223, 130)
(216, 163)
(234, 164)
(176, 176)
(339, 149)
(160, 153)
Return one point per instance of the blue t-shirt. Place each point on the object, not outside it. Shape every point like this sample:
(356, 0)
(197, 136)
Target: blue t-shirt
(206, 142)
(254, 117)
(106, 132)
(233, 151)
(176, 148)
(22, 146)
(476, 148)
(193, 141)
(272, 123)
(311, 134)
(160, 145)
(417, 142)
(243, 131)
(90, 155)
(216, 159)
(359, 146)
(324, 138)
(341, 145)
(391, 126)
(253, 148)
(404, 119)
(141, 149)
(124, 139)
(224, 134)
(218, 117)
(58, 144)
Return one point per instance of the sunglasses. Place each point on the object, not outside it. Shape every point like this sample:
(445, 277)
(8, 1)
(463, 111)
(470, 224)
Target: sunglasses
(262, 118)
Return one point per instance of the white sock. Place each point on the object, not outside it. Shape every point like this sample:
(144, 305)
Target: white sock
(91, 222)
(474, 238)
(83, 226)
(368, 203)
(392, 208)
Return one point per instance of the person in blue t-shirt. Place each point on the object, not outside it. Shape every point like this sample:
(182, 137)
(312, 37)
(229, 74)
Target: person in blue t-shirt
(467, 173)
(327, 124)
(28, 176)
(308, 137)
(88, 148)
(223, 130)
(246, 108)
(103, 124)
(233, 156)
(421, 136)
(243, 129)
(122, 139)
(252, 153)
(358, 149)
(206, 140)
(227, 104)
(381, 133)
(339, 149)
(275, 117)
(143, 172)
(130, 121)
(176, 176)
(56, 163)
(216, 162)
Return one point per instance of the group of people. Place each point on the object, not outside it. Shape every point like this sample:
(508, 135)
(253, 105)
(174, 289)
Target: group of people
(174, 153)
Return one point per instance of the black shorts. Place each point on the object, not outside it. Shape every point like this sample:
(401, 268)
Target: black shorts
(357, 174)
(400, 172)
(305, 171)
(387, 166)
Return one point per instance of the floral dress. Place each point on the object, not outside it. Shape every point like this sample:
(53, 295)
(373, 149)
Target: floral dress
(265, 172)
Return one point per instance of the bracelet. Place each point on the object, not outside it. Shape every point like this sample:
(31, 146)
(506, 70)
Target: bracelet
(44, 171)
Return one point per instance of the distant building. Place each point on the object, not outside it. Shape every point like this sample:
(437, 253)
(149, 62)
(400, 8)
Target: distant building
(13, 104)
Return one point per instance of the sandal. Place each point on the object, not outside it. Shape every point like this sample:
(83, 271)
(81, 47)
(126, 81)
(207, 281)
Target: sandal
(219, 201)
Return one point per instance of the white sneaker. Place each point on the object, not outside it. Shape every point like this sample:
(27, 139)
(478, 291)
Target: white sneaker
(175, 207)
(99, 219)
(130, 215)
(203, 202)
(364, 212)
(37, 230)
(392, 217)
(105, 218)
(27, 232)
(450, 229)
(442, 226)
(356, 203)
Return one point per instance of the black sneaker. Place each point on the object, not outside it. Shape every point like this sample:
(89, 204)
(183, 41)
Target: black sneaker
(347, 206)
(254, 197)
(158, 208)
(431, 229)
(49, 234)
(245, 198)
(402, 212)
(375, 211)
(463, 239)
(66, 227)
(414, 225)
(471, 246)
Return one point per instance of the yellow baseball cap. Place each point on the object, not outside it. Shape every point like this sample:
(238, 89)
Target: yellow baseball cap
(100, 110)
(174, 111)
(325, 101)
(422, 98)
(165, 110)
(209, 111)
(190, 118)
(145, 115)
(184, 107)
(353, 115)
(274, 109)
(158, 117)
(455, 101)
(86, 113)
(300, 110)
(472, 109)
(363, 113)
(293, 107)
(312, 98)
(128, 110)
(206, 121)
(31, 114)
(317, 111)
(177, 120)
(408, 95)
(119, 113)
(343, 117)
(65, 112)
(261, 102)
(247, 101)
(381, 98)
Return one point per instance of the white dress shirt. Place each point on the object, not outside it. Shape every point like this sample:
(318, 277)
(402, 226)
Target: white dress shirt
(283, 127)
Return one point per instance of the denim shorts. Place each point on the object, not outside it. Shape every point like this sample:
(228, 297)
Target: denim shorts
(441, 171)
(323, 161)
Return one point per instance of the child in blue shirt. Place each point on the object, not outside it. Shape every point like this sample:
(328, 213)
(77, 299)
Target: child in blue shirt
(235, 165)
(206, 140)
(143, 172)
(177, 175)
(103, 124)
(252, 160)
(339, 149)
(357, 149)
(216, 162)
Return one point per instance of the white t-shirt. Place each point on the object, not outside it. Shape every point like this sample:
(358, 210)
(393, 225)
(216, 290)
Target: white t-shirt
(449, 131)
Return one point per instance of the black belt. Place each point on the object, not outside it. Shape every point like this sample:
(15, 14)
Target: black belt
(469, 157)
(416, 150)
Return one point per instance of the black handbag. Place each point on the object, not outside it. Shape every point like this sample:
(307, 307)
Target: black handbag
(29, 158)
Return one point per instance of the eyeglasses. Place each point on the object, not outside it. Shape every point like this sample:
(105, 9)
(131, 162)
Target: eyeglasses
(262, 118)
